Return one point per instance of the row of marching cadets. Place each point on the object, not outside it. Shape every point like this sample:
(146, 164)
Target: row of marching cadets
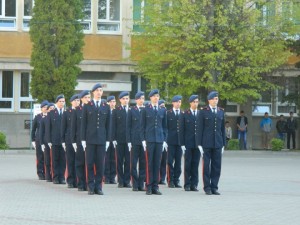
(93, 141)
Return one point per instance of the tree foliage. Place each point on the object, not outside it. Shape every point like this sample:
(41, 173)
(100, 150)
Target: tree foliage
(57, 37)
(227, 45)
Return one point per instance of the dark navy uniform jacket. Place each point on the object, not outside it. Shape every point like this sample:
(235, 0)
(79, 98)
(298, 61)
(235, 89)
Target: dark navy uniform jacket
(53, 127)
(188, 129)
(95, 123)
(36, 127)
(76, 119)
(211, 132)
(42, 131)
(66, 126)
(134, 126)
(119, 118)
(153, 124)
(173, 127)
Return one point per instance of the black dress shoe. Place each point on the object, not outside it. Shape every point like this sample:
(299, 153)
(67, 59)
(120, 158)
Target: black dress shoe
(41, 178)
(187, 189)
(49, 180)
(98, 192)
(194, 189)
(135, 189)
(91, 192)
(62, 182)
(215, 192)
(142, 189)
(70, 186)
(55, 182)
(171, 185)
(156, 192)
(112, 182)
(148, 192)
(208, 192)
(120, 185)
(162, 182)
(178, 186)
(127, 186)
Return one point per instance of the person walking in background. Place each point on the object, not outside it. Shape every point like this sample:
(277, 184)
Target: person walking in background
(291, 130)
(281, 128)
(228, 132)
(242, 124)
(266, 127)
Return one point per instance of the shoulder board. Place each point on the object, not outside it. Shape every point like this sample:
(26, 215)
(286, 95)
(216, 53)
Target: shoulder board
(221, 108)
(205, 108)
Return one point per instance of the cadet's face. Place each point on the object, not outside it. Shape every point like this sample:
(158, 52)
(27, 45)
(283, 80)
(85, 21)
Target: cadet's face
(75, 103)
(98, 93)
(86, 99)
(213, 102)
(124, 100)
(44, 109)
(194, 104)
(176, 105)
(140, 101)
(112, 104)
(61, 102)
(51, 108)
(154, 99)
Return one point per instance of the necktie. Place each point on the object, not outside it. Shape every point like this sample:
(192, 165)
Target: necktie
(97, 104)
(194, 113)
(214, 110)
(155, 109)
(176, 113)
(60, 112)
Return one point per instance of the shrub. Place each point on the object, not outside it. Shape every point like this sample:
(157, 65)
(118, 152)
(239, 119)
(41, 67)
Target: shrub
(3, 144)
(277, 144)
(233, 144)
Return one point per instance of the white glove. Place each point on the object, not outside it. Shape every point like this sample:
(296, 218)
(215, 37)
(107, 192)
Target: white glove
(106, 146)
(83, 143)
(183, 149)
(115, 143)
(50, 145)
(144, 145)
(74, 146)
(64, 146)
(201, 150)
(165, 146)
(223, 150)
(43, 147)
(33, 144)
(129, 146)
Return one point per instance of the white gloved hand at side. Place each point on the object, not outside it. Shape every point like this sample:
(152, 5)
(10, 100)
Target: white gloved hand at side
(43, 147)
(115, 143)
(74, 146)
(129, 146)
(165, 146)
(183, 148)
(106, 146)
(201, 150)
(64, 146)
(144, 145)
(50, 145)
(223, 150)
(33, 144)
(83, 143)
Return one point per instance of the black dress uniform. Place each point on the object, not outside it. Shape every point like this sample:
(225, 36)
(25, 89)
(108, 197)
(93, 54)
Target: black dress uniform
(163, 163)
(95, 131)
(174, 148)
(70, 152)
(39, 153)
(119, 123)
(211, 136)
(137, 151)
(47, 157)
(79, 155)
(188, 129)
(291, 130)
(53, 136)
(154, 132)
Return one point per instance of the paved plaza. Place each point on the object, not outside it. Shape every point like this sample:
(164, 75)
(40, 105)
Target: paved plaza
(257, 187)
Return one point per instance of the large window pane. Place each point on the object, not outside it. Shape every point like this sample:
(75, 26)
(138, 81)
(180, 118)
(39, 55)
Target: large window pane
(24, 84)
(114, 10)
(7, 84)
(101, 9)
(28, 5)
(87, 9)
(5, 104)
(0, 7)
(10, 8)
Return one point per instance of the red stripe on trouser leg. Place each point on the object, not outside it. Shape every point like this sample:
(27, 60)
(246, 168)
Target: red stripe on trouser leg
(202, 171)
(66, 171)
(130, 162)
(86, 170)
(51, 163)
(116, 160)
(147, 170)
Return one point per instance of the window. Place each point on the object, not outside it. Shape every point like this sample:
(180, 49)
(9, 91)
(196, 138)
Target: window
(87, 9)
(28, 7)
(263, 104)
(25, 97)
(109, 15)
(7, 14)
(6, 88)
(267, 10)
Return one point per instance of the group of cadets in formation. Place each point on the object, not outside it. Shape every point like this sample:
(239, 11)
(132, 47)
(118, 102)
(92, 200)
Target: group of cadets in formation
(93, 141)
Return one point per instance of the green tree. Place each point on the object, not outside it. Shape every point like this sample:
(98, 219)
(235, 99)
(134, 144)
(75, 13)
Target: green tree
(57, 37)
(183, 46)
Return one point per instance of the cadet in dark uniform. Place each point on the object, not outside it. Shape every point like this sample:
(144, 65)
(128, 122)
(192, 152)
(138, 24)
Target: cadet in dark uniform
(110, 157)
(53, 137)
(154, 135)
(76, 119)
(95, 138)
(173, 141)
(36, 142)
(67, 143)
(187, 130)
(163, 164)
(119, 123)
(211, 140)
(137, 155)
(44, 144)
